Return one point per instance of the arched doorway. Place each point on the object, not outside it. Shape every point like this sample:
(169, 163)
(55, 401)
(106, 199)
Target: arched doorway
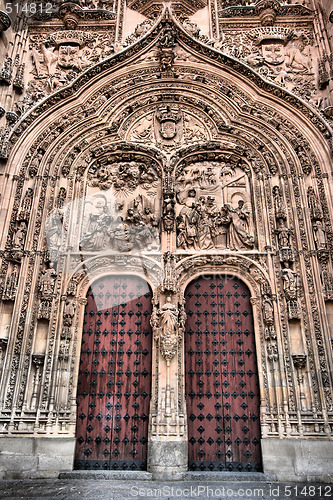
(222, 389)
(114, 383)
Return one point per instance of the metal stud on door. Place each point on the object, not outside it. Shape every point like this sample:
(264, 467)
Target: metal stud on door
(222, 389)
(114, 383)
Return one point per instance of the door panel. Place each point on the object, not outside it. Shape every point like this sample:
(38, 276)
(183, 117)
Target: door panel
(114, 384)
(222, 389)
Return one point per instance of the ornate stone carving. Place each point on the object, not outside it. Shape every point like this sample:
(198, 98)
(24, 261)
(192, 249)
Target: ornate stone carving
(18, 240)
(124, 177)
(291, 287)
(138, 230)
(272, 352)
(168, 125)
(69, 312)
(314, 205)
(35, 162)
(25, 209)
(299, 360)
(10, 289)
(166, 45)
(46, 290)
(168, 336)
(201, 224)
(6, 72)
(5, 21)
(3, 347)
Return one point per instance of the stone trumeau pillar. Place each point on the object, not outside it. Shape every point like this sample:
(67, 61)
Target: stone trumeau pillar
(167, 446)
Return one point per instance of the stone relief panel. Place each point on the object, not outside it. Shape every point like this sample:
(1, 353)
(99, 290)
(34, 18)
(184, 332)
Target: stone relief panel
(167, 126)
(214, 207)
(60, 56)
(122, 207)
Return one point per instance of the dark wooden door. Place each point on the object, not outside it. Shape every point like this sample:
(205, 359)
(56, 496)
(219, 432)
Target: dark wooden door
(114, 383)
(222, 391)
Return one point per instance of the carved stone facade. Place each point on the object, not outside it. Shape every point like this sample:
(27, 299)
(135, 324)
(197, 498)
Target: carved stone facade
(175, 151)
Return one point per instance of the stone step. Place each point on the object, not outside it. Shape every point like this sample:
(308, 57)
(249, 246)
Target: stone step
(114, 475)
(228, 476)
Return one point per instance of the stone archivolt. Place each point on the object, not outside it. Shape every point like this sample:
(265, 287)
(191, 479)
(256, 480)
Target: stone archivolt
(211, 166)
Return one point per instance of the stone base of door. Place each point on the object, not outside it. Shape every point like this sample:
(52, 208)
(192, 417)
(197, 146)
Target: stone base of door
(168, 460)
(306, 460)
(23, 457)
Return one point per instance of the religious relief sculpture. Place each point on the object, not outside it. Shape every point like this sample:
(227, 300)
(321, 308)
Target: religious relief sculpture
(210, 212)
(124, 177)
(280, 54)
(137, 229)
(46, 290)
(10, 289)
(61, 56)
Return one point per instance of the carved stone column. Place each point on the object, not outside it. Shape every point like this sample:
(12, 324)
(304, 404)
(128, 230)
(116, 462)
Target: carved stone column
(38, 361)
(167, 446)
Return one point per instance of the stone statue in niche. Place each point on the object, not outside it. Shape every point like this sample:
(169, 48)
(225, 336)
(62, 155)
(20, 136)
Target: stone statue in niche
(279, 205)
(290, 282)
(168, 337)
(19, 237)
(54, 231)
(25, 209)
(283, 234)
(69, 312)
(9, 292)
(208, 215)
(314, 205)
(46, 282)
(319, 235)
(35, 162)
(169, 213)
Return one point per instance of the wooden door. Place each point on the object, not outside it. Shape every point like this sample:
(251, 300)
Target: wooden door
(222, 390)
(114, 384)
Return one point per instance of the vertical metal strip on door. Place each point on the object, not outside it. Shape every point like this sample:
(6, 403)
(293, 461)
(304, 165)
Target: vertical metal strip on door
(114, 384)
(222, 388)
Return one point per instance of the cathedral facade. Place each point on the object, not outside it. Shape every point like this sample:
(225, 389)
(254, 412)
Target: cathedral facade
(166, 281)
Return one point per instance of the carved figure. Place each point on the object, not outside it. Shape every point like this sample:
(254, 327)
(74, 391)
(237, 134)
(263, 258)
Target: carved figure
(10, 289)
(278, 204)
(168, 318)
(35, 162)
(283, 234)
(168, 337)
(54, 231)
(239, 226)
(295, 60)
(168, 212)
(319, 235)
(69, 312)
(19, 237)
(46, 283)
(290, 282)
(49, 58)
